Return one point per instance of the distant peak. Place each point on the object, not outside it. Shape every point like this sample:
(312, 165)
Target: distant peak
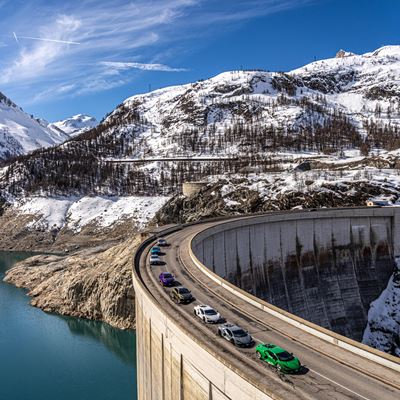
(342, 54)
(74, 125)
(393, 50)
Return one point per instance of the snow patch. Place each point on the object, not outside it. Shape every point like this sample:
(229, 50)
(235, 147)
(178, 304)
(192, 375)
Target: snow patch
(383, 328)
(74, 213)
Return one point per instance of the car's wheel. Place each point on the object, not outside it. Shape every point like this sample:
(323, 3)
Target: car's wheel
(258, 354)
(232, 341)
(279, 368)
(204, 319)
(194, 312)
(219, 333)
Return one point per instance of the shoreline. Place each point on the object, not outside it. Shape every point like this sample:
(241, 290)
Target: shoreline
(94, 283)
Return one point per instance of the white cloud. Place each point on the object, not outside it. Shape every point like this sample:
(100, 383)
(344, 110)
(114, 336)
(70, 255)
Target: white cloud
(115, 66)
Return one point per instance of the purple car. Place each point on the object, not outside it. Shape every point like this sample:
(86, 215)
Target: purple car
(166, 278)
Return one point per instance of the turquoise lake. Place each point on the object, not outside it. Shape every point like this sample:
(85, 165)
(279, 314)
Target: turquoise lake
(44, 356)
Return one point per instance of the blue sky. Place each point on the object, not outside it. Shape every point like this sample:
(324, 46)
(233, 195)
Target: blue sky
(126, 47)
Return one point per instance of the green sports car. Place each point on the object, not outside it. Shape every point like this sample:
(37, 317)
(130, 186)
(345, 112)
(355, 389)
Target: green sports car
(278, 357)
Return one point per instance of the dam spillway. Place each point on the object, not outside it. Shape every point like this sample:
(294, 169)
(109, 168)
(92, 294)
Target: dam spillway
(324, 267)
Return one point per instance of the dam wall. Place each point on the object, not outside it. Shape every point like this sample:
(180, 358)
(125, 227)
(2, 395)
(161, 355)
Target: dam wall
(323, 266)
(172, 365)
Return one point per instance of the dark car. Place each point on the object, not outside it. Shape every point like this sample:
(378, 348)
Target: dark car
(166, 279)
(162, 242)
(181, 295)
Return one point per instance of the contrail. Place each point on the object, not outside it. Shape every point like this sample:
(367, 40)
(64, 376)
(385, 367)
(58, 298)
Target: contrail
(15, 37)
(43, 39)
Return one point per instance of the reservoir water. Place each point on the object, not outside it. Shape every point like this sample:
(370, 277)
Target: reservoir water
(44, 356)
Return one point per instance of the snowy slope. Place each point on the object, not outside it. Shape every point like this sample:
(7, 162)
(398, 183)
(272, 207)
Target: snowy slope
(362, 88)
(383, 328)
(75, 125)
(75, 213)
(20, 133)
(353, 91)
(358, 82)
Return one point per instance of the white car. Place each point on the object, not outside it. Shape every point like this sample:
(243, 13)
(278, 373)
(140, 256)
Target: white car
(155, 260)
(207, 314)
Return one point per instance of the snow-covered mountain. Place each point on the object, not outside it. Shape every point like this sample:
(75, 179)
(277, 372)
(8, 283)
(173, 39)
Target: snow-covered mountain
(361, 93)
(74, 125)
(20, 133)
(349, 104)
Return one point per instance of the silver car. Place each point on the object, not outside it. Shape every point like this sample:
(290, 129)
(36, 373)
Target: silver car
(236, 335)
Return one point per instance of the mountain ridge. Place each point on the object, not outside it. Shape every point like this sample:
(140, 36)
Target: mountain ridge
(20, 133)
(326, 107)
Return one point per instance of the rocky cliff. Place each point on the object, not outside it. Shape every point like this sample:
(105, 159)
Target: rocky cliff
(91, 284)
(240, 194)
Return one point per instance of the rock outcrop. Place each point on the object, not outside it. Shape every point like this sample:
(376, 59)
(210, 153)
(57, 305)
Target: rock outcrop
(297, 190)
(342, 54)
(92, 283)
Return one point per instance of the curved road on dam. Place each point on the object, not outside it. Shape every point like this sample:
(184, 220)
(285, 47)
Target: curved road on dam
(329, 372)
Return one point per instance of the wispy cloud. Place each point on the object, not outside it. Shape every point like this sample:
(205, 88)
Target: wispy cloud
(43, 39)
(32, 62)
(115, 67)
(47, 63)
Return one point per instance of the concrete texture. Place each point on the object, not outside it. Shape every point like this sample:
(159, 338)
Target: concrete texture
(324, 267)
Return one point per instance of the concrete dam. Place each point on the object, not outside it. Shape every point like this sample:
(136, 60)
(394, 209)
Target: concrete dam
(324, 268)
(302, 280)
